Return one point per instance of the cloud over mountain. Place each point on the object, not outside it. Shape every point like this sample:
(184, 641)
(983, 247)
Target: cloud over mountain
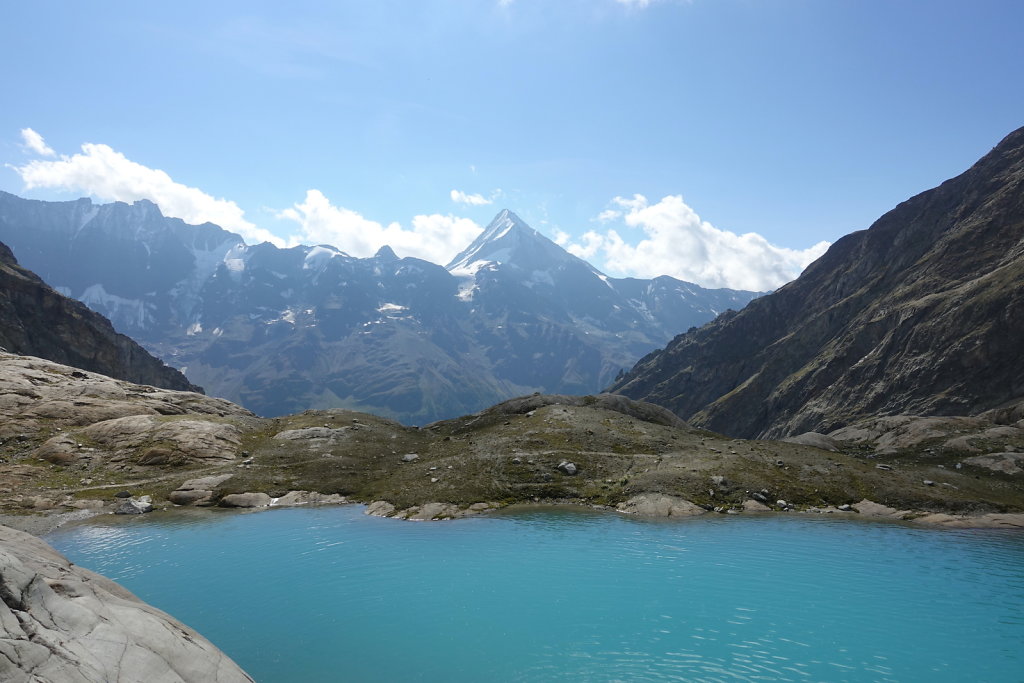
(675, 241)
(436, 238)
(104, 173)
(635, 238)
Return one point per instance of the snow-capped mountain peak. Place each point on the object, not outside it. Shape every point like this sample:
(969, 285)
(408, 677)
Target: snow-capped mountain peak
(508, 240)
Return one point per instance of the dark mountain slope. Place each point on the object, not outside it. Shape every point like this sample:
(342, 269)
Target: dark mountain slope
(923, 313)
(37, 321)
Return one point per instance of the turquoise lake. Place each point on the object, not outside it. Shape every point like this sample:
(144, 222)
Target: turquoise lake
(329, 594)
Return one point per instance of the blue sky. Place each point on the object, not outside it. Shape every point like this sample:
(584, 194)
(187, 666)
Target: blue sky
(721, 141)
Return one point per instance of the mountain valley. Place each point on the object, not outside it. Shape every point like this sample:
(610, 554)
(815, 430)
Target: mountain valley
(284, 330)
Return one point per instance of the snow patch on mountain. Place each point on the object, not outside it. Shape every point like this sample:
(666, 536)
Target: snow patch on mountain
(85, 218)
(124, 313)
(319, 256)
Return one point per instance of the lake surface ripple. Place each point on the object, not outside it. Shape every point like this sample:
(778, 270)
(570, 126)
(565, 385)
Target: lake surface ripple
(329, 594)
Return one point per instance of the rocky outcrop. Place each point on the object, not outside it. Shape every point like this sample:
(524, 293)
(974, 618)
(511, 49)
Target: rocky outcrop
(921, 314)
(660, 505)
(60, 622)
(35, 320)
(427, 512)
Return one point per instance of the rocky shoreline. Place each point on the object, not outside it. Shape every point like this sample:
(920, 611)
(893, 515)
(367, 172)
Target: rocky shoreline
(61, 622)
(78, 443)
(40, 523)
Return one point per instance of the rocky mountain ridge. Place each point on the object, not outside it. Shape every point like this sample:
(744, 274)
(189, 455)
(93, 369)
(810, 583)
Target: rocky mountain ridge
(921, 314)
(38, 321)
(283, 330)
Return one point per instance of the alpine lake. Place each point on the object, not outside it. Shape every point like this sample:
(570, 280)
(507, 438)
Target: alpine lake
(573, 594)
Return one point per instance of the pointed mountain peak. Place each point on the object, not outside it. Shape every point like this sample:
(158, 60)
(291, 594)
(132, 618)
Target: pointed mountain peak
(385, 253)
(507, 239)
(505, 222)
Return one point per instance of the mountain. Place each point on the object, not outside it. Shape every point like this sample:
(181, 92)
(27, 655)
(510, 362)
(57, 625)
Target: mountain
(921, 314)
(37, 321)
(284, 330)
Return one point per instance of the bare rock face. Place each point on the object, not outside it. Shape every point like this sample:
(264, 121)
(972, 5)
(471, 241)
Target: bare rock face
(1009, 463)
(34, 391)
(60, 622)
(921, 314)
(38, 321)
(184, 440)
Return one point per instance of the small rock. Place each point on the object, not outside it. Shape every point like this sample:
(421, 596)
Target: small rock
(846, 507)
(517, 461)
(567, 467)
(781, 503)
(883, 467)
(928, 482)
(780, 463)
(434, 480)
(759, 497)
(719, 480)
(410, 457)
(133, 507)
(245, 500)
(123, 494)
(190, 497)
(380, 508)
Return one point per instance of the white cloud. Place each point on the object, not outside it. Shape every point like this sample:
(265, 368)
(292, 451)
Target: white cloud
(677, 242)
(460, 197)
(435, 237)
(108, 175)
(33, 142)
